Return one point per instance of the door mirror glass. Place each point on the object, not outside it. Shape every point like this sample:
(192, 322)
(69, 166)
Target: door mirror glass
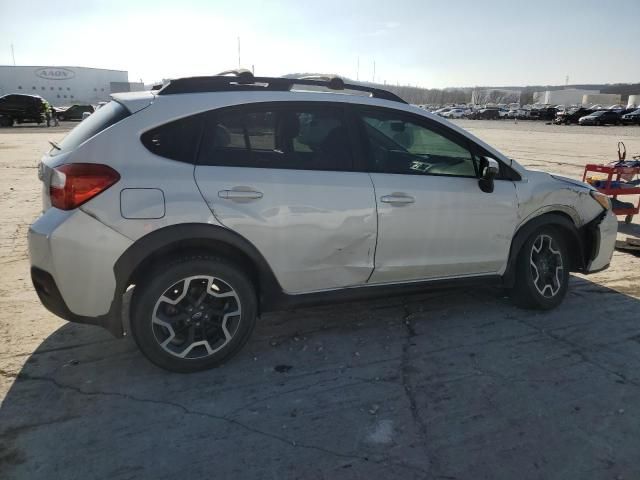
(489, 168)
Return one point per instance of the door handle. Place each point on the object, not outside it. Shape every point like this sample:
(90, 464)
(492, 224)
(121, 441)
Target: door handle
(398, 199)
(239, 195)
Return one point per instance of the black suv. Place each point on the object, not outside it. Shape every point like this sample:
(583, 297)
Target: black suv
(74, 112)
(489, 113)
(18, 108)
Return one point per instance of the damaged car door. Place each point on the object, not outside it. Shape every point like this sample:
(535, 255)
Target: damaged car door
(434, 219)
(281, 175)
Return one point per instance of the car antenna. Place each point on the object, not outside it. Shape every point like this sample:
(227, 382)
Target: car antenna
(55, 145)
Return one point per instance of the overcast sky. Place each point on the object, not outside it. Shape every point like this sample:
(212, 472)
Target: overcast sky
(428, 43)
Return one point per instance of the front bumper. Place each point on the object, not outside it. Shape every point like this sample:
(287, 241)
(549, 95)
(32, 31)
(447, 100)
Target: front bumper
(604, 242)
(72, 267)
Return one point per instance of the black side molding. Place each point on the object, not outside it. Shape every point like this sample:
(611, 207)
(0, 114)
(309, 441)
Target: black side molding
(350, 294)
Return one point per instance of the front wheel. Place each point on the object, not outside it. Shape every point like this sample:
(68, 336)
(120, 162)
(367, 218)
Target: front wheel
(542, 271)
(193, 314)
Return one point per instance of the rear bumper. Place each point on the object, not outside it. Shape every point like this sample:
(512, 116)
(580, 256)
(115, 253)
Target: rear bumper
(52, 300)
(72, 267)
(604, 242)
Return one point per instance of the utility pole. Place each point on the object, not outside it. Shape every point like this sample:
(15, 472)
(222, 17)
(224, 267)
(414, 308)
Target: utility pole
(566, 81)
(358, 70)
(13, 55)
(374, 72)
(238, 52)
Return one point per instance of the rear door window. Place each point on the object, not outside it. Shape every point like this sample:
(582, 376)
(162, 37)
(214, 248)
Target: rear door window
(108, 115)
(299, 137)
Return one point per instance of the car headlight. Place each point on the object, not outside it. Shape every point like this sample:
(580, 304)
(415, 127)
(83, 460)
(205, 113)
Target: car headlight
(602, 199)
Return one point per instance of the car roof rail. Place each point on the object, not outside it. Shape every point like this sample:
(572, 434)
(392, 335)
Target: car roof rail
(244, 80)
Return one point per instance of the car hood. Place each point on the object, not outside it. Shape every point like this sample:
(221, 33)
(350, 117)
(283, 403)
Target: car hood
(572, 181)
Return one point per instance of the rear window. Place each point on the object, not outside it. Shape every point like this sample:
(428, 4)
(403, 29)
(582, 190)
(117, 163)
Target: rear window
(102, 119)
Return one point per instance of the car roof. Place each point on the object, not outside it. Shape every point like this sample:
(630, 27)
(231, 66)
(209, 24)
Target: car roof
(22, 95)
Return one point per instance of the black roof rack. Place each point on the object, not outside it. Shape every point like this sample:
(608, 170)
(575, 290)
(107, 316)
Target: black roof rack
(243, 80)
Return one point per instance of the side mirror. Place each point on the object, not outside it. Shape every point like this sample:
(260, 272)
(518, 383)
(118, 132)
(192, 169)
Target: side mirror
(489, 168)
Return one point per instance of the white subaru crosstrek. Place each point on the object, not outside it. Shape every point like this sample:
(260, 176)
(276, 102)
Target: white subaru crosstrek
(180, 215)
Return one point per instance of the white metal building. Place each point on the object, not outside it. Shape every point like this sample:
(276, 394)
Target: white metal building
(634, 101)
(601, 98)
(65, 85)
(568, 96)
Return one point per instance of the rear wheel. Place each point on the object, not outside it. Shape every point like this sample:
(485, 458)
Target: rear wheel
(542, 271)
(194, 314)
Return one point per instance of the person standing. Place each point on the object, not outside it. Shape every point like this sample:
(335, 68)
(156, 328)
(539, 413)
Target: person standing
(54, 116)
(43, 112)
(47, 113)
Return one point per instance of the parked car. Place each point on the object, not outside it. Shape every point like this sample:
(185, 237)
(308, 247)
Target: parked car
(454, 113)
(601, 117)
(568, 117)
(221, 201)
(489, 113)
(442, 111)
(20, 108)
(545, 114)
(75, 112)
(631, 118)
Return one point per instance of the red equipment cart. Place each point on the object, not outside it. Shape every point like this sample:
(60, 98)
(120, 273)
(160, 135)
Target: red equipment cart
(614, 187)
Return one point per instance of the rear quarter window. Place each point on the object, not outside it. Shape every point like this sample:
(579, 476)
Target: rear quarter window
(177, 140)
(108, 115)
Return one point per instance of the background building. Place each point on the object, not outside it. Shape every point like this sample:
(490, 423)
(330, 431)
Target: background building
(634, 101)
(568, 96)
(65, 85)
(605, 99)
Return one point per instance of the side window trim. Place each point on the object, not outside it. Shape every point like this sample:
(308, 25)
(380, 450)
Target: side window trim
(210, 117)
(460, 140)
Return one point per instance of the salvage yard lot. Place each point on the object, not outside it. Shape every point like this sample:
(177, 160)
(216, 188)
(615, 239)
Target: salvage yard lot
(453, 384)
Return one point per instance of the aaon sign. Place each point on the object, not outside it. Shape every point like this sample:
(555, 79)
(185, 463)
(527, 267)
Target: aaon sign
(55, 73)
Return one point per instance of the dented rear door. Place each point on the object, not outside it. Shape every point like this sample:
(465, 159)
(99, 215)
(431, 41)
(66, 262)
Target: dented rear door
(279, 175)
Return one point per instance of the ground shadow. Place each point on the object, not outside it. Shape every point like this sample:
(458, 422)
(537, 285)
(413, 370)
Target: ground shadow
(450, 384)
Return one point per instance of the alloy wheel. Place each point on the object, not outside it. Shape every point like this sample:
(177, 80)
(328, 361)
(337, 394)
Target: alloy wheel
(546, 266)
(196, 317)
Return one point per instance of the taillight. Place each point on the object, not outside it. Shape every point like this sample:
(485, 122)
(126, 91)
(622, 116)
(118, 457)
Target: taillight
(76, 183)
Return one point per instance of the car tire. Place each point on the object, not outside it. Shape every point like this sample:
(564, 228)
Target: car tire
(193, 314)
(542, 271)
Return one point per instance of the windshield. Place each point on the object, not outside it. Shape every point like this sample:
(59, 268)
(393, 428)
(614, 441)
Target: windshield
(103, 118)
